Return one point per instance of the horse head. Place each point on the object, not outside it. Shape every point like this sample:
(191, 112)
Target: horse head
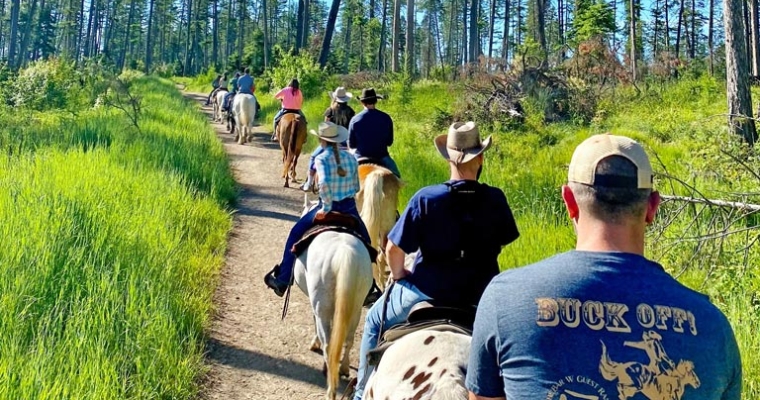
(685, 370)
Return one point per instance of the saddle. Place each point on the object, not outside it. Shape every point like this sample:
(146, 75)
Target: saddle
(370, 160)
(426, 315)
(290, 111)
(333, 222)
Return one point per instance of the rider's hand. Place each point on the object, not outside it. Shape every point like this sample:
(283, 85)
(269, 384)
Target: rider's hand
(320, 215)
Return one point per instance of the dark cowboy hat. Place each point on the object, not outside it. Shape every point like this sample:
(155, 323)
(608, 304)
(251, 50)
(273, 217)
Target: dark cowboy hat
(369, 94)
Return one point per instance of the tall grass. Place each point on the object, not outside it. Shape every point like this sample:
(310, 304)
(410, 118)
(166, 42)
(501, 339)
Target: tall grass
(676, 124)
(110, 247)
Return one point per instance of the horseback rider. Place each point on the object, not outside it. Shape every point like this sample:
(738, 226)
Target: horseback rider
(562, 312)
(231, 93)
(338, 184)
(339, 113)
(458, 229)
(371, 132)
(215, 85)
(292, 101)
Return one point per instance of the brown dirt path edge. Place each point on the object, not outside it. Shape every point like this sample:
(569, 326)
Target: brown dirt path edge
(251, 353)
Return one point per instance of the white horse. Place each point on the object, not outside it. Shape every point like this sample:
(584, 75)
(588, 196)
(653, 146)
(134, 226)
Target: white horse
(244, 113)
(218, 101)
(335, 272)
(425, 365)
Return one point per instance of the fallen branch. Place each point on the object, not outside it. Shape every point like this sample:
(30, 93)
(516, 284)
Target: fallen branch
(718, 203)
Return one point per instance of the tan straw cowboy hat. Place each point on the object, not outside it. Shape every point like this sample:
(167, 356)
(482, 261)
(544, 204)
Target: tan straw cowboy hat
(341, 95)
(462, 143)
(331, 132)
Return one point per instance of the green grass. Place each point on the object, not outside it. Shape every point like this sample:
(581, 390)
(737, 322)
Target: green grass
(677, 124)
(110, 248)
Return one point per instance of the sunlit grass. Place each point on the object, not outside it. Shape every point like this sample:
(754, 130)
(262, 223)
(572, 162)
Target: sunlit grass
(110, 247)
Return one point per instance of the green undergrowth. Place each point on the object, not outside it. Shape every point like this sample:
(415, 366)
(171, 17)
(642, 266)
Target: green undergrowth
(681, 128)
(110, 247)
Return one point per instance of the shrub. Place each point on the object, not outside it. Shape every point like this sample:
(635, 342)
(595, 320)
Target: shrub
(311, 77)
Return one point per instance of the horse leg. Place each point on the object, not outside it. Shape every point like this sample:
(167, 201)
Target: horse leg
(316, 345)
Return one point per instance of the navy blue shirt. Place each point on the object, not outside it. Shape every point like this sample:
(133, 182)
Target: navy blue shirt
(600, 325)
(459, 228)
(370, 133)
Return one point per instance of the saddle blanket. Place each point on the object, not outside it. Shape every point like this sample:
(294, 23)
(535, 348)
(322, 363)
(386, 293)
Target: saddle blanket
(302, 244)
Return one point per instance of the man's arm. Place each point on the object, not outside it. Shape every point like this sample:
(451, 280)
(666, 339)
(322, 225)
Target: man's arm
(351, 135)
(396, 261)
(474, 396)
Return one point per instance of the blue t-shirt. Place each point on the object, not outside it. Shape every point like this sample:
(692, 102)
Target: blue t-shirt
(605, 326)
(459, 228)
(371, 133)
(245, 84)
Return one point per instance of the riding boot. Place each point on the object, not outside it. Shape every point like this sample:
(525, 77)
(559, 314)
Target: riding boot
(373, 295)
(309, 182)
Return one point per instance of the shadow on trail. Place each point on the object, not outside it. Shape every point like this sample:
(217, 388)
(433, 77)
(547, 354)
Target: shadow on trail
(255, 361)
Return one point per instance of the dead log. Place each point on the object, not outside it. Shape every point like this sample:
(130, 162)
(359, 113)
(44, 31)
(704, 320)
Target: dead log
(717, 203)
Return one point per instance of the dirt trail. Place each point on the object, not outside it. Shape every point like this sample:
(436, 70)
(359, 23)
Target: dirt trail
(251, 353)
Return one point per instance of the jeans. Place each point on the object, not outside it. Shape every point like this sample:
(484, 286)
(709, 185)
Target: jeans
(280, 114)
(227, 100)
(314, 155)
(403, 296)
(345, 206)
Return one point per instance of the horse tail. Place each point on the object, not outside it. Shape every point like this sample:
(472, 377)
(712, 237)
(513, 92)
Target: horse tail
(346, 290)
(293, 135)
(607, 366)
(371, 211)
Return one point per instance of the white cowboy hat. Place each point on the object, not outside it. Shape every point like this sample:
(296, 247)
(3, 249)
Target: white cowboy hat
(462, 143)
(331, 132)
(341, 95)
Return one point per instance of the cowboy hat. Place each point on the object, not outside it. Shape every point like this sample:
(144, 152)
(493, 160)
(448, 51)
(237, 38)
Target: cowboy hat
(369, 94)
(341, 95)
(462, 143)
(331, 132)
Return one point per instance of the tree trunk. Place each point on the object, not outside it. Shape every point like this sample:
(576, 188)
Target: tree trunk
(678, 30)
(149, 37)
(737, 79)
(26, 34)
(299, 26)
(306, 23)
(215, 34)
(329, 32)
(240, 17)
(15, 5)
(633, 39)
(541, 16)
(409, 58)
(80, 26)
(491, 22)
(89, 34)
(693, 53)
(383, 29)
(266, 32)
(753, 15)
(127, 32)
(465, 51)
(667, 27)
(474, 35)
(396, 41)
(710, 48)
(371, 9)
(505, 39)
(347, 34)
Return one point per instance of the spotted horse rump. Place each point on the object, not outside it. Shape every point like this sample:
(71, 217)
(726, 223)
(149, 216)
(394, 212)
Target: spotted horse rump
(423, 365)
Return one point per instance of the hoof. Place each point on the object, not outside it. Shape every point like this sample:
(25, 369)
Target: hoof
(316, 349)
(324, 369)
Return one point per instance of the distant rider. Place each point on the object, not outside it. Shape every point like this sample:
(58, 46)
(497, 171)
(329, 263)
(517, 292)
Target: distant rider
(371, 132)
(292, 101)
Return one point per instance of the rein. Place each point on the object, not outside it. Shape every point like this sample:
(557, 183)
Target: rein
(287, 298)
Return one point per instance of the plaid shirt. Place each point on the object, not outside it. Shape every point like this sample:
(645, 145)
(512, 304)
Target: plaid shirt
(333, 187)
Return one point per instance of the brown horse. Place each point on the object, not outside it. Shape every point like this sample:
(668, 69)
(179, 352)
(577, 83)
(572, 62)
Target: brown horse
(292, 133)
(377, 202)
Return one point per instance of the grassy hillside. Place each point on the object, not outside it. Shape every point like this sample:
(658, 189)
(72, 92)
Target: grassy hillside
(110, 247)
(681, 127)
